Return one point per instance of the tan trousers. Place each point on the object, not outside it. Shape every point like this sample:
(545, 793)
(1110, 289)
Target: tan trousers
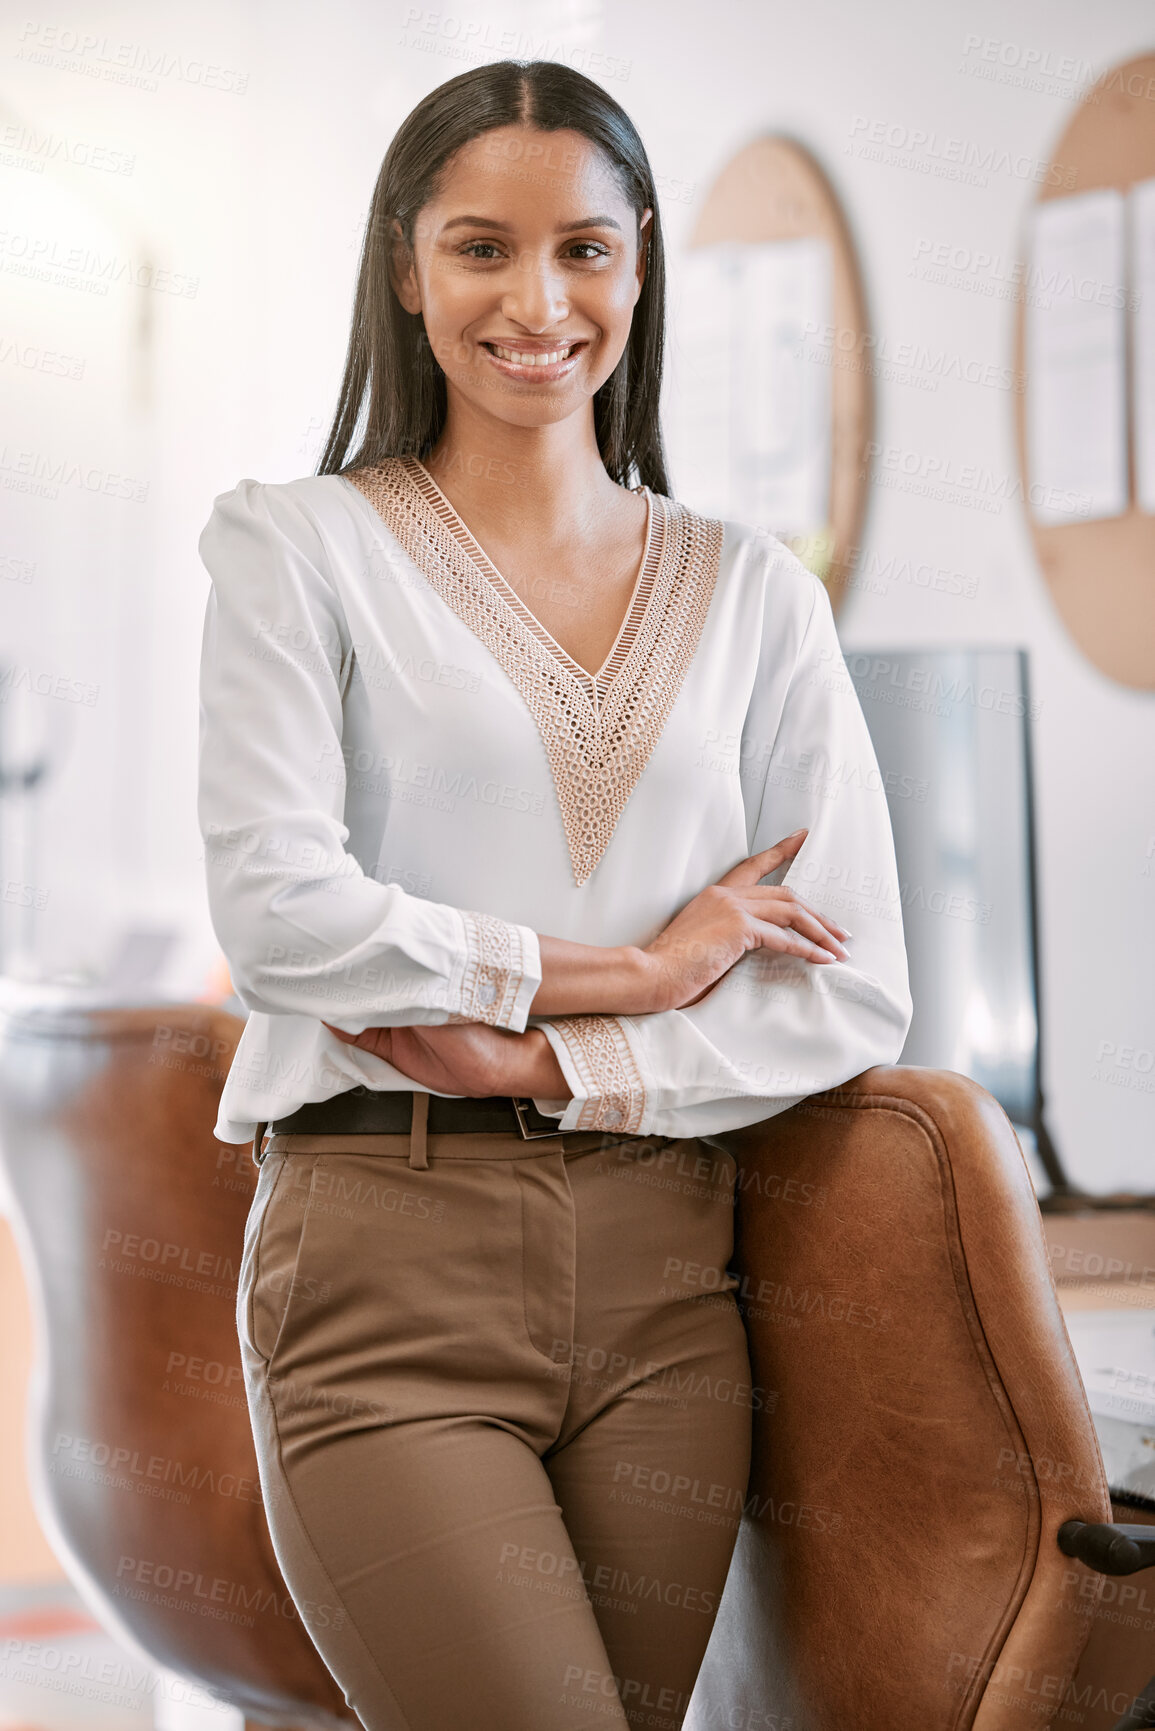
(501, 1398)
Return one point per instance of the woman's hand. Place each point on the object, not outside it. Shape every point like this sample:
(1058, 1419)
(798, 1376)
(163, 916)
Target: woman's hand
(732, 916)
(684, 962)
(468, 1058)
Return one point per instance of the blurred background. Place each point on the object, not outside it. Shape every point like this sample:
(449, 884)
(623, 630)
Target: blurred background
(183, 195)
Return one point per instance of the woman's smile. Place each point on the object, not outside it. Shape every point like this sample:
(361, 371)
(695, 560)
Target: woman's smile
(524, 279)
(540, 365)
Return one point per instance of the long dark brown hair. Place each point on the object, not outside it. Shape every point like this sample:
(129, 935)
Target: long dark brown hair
(391, 374)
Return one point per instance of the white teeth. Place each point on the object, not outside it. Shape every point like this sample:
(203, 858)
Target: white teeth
(532, 360)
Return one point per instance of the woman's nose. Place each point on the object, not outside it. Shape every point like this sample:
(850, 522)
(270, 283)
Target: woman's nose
(535, 296)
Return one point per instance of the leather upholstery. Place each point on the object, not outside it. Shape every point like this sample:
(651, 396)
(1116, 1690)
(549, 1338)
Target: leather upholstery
(925, 1431)
(920, 1427)
(130, 1218)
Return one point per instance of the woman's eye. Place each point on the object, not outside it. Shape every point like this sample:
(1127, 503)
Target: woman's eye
(488, 249)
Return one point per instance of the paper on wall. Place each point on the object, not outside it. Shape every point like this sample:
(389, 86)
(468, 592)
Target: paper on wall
(755, 346)
(1076, 359)
(1142, 241)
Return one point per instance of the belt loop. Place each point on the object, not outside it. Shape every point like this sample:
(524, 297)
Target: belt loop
(258, 1138)
(418, 1154)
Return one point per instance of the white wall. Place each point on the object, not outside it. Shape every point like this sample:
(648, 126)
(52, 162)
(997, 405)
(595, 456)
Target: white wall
(253, 159)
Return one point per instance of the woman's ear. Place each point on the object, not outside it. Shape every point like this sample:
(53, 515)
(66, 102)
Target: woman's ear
(402, 273)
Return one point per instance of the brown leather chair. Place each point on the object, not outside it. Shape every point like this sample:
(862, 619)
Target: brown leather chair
(924, 1433)
(130, 1217)
(921, 1431)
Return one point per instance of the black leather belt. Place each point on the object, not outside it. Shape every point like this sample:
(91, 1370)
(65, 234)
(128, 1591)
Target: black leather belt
(362, 1111)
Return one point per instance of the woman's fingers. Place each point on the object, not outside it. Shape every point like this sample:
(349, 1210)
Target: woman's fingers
(784, 911)
(375, 1040)
(810, 927)
(748, 871)
(453, 1059)
(793, 943)
(764, 896)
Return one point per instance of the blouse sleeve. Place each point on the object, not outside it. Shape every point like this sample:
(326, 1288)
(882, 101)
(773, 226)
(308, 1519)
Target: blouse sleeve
(775, 1028)
(303, 929)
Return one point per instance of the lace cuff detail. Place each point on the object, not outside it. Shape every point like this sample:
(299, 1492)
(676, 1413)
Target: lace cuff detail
(500, 976)
(598, 1062)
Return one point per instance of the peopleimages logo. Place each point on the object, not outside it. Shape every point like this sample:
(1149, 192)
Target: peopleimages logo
(907, 361)
(882, 675)
(433, 778)
(114, 60)
(1050, 284)
(931, 152)
(942, 477)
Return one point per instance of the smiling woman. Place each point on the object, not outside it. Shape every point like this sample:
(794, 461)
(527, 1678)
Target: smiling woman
(499, 742)
(589, 284)
(517, 302)
(528, 149)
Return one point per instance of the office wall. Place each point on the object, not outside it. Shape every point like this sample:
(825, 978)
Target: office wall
(178, 263)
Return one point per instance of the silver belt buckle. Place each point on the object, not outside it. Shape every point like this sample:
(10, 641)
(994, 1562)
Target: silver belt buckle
(528, 1134)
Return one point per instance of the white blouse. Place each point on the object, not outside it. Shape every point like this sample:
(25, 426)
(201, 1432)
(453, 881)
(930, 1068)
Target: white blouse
(404, 779)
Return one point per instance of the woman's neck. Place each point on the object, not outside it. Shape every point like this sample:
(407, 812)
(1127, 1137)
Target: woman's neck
(544, 485)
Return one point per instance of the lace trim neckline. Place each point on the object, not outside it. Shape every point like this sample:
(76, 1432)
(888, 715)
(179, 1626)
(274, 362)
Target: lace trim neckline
(599, 731)
(639, 596)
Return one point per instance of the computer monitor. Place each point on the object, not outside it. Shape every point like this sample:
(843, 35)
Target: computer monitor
(951, 731)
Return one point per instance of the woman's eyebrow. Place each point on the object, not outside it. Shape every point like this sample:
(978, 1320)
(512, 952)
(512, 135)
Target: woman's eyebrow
(507, 227)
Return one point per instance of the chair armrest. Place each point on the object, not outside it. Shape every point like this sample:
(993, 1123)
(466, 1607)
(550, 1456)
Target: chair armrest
(1111, 1548)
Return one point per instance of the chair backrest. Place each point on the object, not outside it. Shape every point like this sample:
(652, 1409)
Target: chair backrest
(130, 1220)
(920, 1427)
(921, 1430)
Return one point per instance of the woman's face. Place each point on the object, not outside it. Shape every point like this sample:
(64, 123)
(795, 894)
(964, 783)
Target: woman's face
(525, 269)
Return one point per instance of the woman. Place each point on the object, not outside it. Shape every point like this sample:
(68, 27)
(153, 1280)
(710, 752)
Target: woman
(497, 751)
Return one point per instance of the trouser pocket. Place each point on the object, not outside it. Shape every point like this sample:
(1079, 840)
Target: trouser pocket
(269, 1271)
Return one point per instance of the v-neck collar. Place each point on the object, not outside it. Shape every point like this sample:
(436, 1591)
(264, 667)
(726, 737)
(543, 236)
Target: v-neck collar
(598, 730)
(631, 620)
